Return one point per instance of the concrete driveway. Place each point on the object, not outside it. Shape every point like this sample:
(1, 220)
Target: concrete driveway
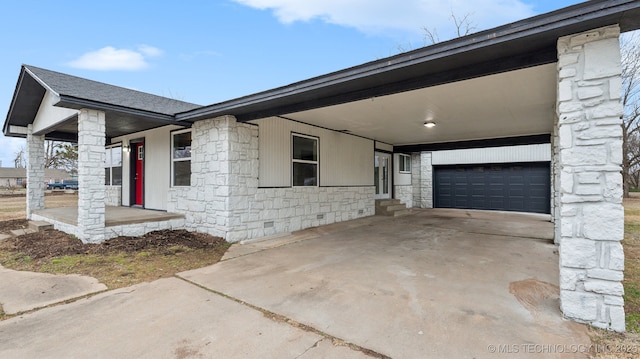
(432, 284)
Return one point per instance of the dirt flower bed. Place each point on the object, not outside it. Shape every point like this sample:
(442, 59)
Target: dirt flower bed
(52, 243)
(117, 262)
(6, 226)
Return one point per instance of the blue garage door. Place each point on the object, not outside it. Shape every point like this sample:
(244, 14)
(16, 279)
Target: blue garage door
(522, 187)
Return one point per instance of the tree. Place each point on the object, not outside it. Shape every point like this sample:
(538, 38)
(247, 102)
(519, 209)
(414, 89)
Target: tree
(20, 159)
(57, 154)
(464, 26)
(66, 157)
(630, 48)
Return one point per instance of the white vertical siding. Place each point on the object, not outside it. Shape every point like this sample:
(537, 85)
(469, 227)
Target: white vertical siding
(345, 160)
(157, 166)
(401, 179)
(274, 153)
(524, 153)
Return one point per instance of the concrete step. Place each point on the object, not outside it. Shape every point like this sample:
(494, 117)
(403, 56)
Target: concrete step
(387, 202)
(396, 207)
(402, 212)
(37, 226)
(390, 207)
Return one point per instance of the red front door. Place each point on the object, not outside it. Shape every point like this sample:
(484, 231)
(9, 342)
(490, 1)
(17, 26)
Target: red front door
(139, 178)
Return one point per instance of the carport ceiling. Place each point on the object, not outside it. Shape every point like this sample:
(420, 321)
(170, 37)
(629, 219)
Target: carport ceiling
(515, 103)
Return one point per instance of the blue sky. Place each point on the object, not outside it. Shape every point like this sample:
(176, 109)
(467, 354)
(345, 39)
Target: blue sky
(210, 51)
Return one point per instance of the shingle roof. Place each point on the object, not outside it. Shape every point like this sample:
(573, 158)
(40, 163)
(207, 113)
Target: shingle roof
(77, 87)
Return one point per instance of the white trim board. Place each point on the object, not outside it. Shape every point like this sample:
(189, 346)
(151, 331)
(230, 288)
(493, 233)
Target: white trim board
(523, 153)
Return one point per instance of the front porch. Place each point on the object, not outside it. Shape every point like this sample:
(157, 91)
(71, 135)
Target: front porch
(119, 221)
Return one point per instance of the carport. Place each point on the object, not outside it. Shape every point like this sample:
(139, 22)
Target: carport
(552, 82)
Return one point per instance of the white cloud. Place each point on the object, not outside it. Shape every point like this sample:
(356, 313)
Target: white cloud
(380, 16)
(110, 58)
(149, 51)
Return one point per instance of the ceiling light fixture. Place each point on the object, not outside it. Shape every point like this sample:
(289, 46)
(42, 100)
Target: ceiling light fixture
(429, 124)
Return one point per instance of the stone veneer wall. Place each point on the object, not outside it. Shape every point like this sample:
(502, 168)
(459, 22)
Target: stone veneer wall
(416, 178)
(404, 194)
(224, 198)
(426, 180)
(113, 196)
(591, 220)
(91, 192)
(35, 172)
(272, 211)
(422, 180)
(137, 229)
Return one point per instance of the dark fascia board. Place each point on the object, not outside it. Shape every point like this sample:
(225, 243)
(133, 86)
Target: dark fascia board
(51, 136)
(35, 87)
(35, 90)
(546, 28)
(459, 145)
(78, 103)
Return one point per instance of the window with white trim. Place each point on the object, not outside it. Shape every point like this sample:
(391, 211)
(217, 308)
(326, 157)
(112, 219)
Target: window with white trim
(404, 163)
(304, 160)
(181, 158)
(113, 166)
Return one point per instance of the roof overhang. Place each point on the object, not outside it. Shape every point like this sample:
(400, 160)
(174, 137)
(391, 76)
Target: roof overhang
(31, 92)
(527, 43)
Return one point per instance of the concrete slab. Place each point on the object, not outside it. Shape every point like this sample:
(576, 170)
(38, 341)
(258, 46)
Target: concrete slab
(325, 349)
(114, 216)
(527, 225)
(5, 236)
(260, 244)
(168, 318)
(22, 291)
(417, 286)
(21, 231)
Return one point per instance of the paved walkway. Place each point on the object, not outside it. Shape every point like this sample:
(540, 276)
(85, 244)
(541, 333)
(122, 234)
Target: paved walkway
(24, 291)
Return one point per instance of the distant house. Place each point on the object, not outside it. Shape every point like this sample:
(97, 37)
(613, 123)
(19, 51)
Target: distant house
(17, 177)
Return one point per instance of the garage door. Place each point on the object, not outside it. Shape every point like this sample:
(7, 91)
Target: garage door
(524, 187)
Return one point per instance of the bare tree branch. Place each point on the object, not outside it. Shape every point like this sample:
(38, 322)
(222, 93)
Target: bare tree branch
(630, 47)
(464, 26)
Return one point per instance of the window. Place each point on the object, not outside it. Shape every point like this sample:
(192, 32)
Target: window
(305, 160)
(181, 158)
(113, 166)
(404, 163)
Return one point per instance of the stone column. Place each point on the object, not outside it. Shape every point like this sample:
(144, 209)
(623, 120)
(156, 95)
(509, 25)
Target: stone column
(224, 176)
(555, 183)
(589, 186)
(91, 193)
(35, 172)
(426, 180)
(416, 179)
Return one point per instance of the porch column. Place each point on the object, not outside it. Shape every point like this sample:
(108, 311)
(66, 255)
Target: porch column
(91, 192)
(589, 186)
(224, 176)
(416, 179)
(35, 172)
